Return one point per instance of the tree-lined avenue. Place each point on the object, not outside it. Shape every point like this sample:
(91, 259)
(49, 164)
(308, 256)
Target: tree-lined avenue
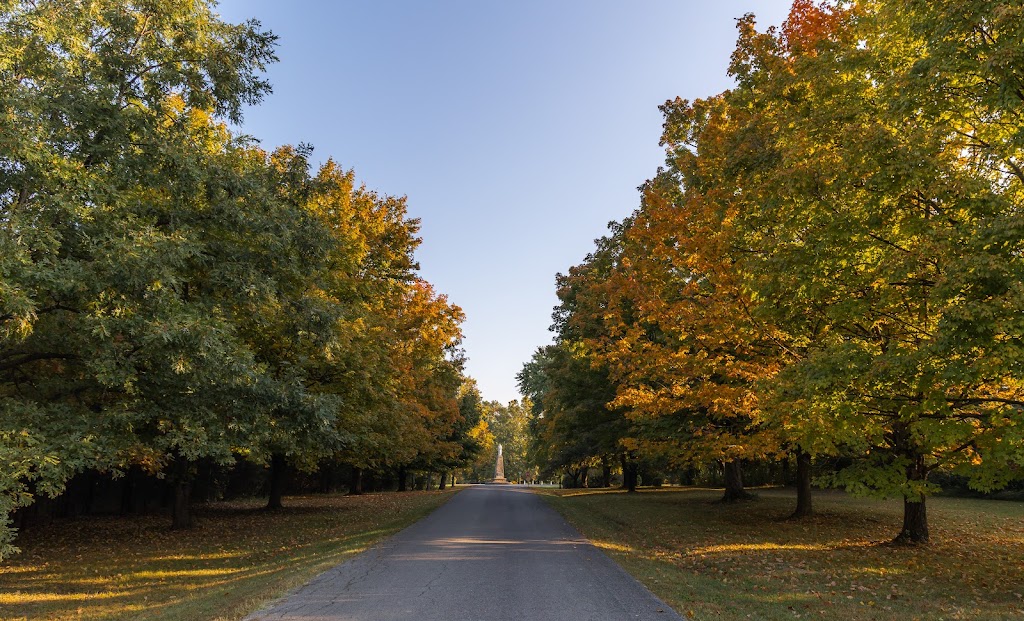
(492, 552)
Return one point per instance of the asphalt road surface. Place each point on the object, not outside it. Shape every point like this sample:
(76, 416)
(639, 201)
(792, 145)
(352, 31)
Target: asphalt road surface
(491, 553)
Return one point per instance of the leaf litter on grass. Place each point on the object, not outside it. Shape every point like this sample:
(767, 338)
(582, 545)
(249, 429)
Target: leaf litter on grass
(95, 568)
(747, 561)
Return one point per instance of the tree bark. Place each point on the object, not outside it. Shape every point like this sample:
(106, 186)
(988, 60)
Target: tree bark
(403, 479)
(606, 472)
(277, 475)
(915, 523)
(181, 512)
(915, 518)
(326, 477)
(734, 482)
(355, 482)
(630, 472)
(804, 507)
(442, 483)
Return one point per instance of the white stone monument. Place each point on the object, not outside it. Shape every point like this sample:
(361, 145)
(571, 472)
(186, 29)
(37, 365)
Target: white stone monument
(499, 469)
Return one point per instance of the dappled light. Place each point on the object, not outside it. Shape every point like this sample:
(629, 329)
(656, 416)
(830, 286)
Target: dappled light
(757, 547)
(483, 549)
(835, 565)
(615, 547)
(104, 567)
(469, 541)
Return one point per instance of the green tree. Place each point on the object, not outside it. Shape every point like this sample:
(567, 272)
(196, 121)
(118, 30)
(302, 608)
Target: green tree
(125, 240)
(393, 361)
(464, 431)
(888, 236)
(509, 425)
(572, 428)
(301, 331)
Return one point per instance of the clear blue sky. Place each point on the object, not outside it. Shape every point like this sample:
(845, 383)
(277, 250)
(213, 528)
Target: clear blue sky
(517, 129)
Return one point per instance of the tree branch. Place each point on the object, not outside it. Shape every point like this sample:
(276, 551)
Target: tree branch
(25, 359)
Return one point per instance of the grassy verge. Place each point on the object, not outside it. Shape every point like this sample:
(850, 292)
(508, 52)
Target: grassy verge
(746, 561)
(240, 556)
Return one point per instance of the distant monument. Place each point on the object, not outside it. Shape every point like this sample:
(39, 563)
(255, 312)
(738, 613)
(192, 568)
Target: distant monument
(499, 469)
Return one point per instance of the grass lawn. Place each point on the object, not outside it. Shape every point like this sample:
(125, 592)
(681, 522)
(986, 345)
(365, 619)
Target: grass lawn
(747, 561)
(239, 557)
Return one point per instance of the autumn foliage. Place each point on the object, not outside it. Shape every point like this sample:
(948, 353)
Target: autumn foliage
(174, 297)
(829, 264)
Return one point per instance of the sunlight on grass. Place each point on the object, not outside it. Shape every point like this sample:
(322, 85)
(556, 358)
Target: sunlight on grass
(617, 547)
(880, 571)
(33, 598)
(578, 492)
(760, 547)
(208, 556)
(109, 568)
(733, 562)
(188, 574)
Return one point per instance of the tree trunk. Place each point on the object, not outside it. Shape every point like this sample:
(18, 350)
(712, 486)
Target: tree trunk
(606, 472)
(734, 482)
(803, 485)
(128, 492)
(80, 503)
(915, 518)
(442, 483)
(277, 472)
(630, 472)
(355, 482)
(584, 477)
(181, 512)
(403, 479)
(915, 523)
(326, 477)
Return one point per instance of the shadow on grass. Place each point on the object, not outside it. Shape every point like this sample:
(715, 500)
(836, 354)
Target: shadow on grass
(747, 560)
(121, 568)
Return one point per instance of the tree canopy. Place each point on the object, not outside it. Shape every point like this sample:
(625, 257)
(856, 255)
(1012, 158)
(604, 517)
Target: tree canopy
(170, 292)
(829, 263)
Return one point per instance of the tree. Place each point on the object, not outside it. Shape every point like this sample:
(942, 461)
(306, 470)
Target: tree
(884, 244)
(436, 364)
(509, 425)
(572, 426)
(468, 431)
(393, 360)
(169, 292)
(122, 235)
(680, 342)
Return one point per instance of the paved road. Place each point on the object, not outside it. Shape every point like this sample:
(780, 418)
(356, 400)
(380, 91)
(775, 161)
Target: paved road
(491, 553)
